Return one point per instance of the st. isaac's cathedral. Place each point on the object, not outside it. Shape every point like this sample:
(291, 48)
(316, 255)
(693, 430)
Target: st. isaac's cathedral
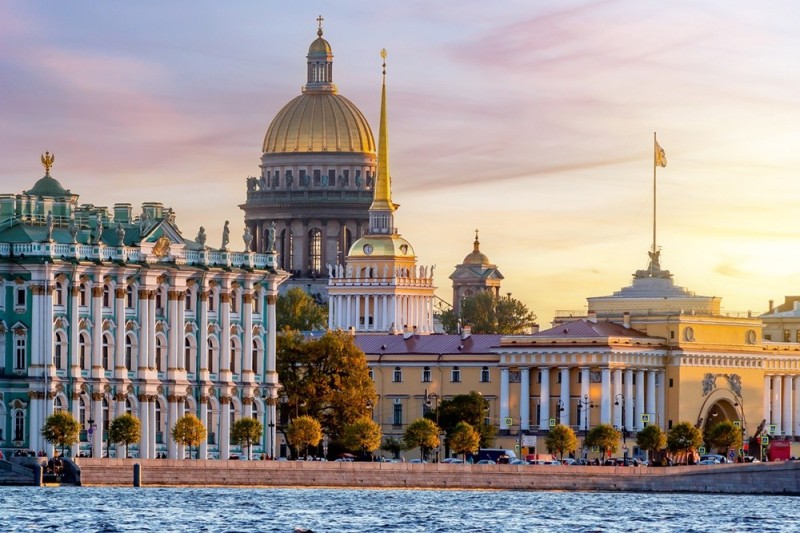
(107, 312)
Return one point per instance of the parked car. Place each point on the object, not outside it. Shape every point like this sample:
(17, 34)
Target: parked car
(716, 458)
(519, 462)
(453, 460)
(418, 461)
(486, 462)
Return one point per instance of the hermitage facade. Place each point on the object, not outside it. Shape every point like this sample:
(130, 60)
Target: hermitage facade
(109, 312)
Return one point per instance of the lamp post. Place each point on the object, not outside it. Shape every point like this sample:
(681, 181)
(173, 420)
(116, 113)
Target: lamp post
(90, 431)
(559, 409)
(619, 399)
(271, 446)
(429, 401)
(585, 405)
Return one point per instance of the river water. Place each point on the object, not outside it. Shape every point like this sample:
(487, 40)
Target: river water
(109, 510)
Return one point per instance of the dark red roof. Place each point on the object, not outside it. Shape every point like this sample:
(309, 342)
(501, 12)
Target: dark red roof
(584, 328)
(427, 344)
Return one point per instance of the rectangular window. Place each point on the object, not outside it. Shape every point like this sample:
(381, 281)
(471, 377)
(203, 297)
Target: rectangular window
(672, 334)
(346, 177)
(670, 383)
(302, 177)
(485, 375)
(787, 335)
(580, 377)
(558, 379)
(455, 375)
(539, 376)
(797, 335)
(317, 177)
(331, 177)
(397, 376)
(20, 300)
(397, 415)
(20, 353)
(426, 375)
(371, 374)
(767, 337)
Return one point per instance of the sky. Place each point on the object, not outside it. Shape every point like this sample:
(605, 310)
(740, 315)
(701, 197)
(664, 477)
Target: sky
(531, 121)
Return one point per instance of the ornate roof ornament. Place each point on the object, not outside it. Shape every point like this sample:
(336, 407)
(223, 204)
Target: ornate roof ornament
(47, 162)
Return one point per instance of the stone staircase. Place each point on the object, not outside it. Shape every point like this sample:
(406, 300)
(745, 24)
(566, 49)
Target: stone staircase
(14, 474)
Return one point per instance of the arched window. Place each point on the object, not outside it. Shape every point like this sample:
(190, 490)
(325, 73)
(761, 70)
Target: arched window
(314, 251)
(212, 355)
(189, 353)
(19, 425)
(161, 299)
(129, 296)
(160, 363)
(254, 354)
(234, 302)
(58, 405)
(159, 424)
(234, 354)
(106, 296)
(128, 406)
(106, 351)
(58, 294)
(210, 423)
(212, 301)
(286, 249)
(82, 414)
(256, 302)
(130, 352)
(60, 352)
(84, 351)
(397, 376)
(485, 374)
(189, 302)
(83, 295)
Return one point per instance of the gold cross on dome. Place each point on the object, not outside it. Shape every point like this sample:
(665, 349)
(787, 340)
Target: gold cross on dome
(319, 22)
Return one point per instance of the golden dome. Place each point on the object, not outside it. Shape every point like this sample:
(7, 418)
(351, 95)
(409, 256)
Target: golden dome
(319, 46)
(319, 122)
(476, 257)
(381, 246)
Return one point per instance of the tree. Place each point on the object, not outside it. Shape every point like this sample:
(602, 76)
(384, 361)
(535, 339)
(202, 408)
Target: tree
(470, 408)
(246, 431)
(423, 434)
(651, 439)
(303, 432)
(125, 429)
(603, 436)
(684, 438)
(299, 311)
(61, 429)
(325, 377)
(363, 435)
(487, 313)
(393, 446)
(724, 436)
(189, 431)
(561, 439)
(463, 439)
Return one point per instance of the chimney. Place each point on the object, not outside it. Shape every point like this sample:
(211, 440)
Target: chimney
(771, 305)
(407, 332)
(466, 331)
(626, 320)
(122, 213)
(352, 331)
(534, 329)
(592, 317)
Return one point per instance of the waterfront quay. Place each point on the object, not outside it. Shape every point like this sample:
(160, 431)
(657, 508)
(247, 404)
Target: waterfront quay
(759, 478)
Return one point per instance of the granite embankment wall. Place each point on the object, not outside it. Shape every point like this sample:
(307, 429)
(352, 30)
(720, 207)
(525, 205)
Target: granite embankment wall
(763, 478)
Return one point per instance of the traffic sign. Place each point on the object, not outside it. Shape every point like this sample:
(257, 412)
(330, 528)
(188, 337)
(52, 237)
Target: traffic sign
(772, 428)
(737, 424)
(509, 421)
(552, 422)
(701, 450)
(646, 418)
(764, 440)
(516, 448)
(730, 455)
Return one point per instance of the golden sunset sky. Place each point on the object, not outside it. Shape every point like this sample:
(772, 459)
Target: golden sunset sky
(532, 121)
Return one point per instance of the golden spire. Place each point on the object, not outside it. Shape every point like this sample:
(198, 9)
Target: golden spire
(477, 243)
(319, 25)
(47, 162)
(382, 197)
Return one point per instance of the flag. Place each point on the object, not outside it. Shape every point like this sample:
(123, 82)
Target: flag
(661, 157)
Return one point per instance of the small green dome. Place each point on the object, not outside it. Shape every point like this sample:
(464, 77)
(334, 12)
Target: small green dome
(48, 186)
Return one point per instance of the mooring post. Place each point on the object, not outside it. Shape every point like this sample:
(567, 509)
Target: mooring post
(38, 475)
(137, 475)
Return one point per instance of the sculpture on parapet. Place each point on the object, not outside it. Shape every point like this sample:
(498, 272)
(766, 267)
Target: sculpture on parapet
(201, 237)
(226, 236)
(247, 238)
(120, 234)
(330, 270)
(73, 228)
(271, 237)
(654, 269)
(50, 225)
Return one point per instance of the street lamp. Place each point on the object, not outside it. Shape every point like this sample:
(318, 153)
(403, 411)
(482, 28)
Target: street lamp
(90, 431)
(271, 447)
(559, 409)
(620, 400)
(585, 404)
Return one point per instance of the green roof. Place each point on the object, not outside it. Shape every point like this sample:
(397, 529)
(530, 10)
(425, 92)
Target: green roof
(48, 186)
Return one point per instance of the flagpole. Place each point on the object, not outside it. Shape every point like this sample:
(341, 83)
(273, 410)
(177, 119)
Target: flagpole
(655, 143)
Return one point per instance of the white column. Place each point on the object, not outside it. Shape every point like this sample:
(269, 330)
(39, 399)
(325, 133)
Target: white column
(203, 414)
(154, 428)
(357, 321)
(585, 382)
(247, 342)
(333, 314)
(651, 395)
(629, 400)
(565, 384)
(181, 413)
(788, 388)
(151, 339)
(119, 410)
(173, 334)
(605, 395)
(270, 366)
(777, 411)
(661, 398)
(225, 335)
(120, 371)
(767, 405)
(97, 332)
(97, 434)
(503, 398)
(224, 428)
(172, 447)
(524, 399)
(74, 353)
(144, 332)
(797, 407)
(640, 401)
(347, 321)
(618, 396)
(544, 399)
(144, 419)
(75, 410)
(202, 337)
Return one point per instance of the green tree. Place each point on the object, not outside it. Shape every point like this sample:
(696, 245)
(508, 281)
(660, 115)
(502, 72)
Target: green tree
(189, 431)
(422, 433)
(303, 432)
(463, 439)
(299, 311)
(393, 446)
(724, 436)
(605, 437)
(651, 439)
(246, 431)
(487, 313)
(325, 377)
(561, 439)
(125, 429)
(470, 408)
(363, 436)
(684, 438)
(61, 429)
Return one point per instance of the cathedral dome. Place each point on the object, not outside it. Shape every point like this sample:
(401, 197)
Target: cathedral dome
(476, 257)
(319, 122)
(319, 46)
